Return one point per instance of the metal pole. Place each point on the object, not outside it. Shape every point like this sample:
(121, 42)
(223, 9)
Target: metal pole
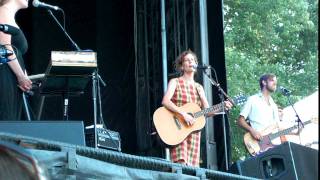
(65, 106)
(94, 100)
(26, 108)
(204, 45)
(41, 107)
(206, 82)
(164, 57)
(224, 115)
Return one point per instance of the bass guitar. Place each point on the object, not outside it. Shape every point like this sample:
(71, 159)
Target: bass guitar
(256, 147)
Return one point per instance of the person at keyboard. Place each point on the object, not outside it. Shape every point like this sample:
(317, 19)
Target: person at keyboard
(13, 77)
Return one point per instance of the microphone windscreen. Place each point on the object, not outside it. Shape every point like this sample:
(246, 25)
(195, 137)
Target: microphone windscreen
(35, 3)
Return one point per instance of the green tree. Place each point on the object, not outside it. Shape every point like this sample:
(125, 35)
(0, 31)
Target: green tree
(267, 36)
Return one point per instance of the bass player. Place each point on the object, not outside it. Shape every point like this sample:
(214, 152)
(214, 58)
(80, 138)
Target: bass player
(261, 112)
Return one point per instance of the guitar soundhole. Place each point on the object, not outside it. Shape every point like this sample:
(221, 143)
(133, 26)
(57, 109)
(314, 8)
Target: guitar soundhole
(176, 120)
(191, 114)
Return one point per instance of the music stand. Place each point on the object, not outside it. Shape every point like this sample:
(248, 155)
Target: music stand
(68, 75)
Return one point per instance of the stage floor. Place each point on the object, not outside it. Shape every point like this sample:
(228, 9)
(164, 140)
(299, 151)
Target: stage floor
(65, 161)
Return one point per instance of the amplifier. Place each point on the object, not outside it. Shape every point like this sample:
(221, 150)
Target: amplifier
(106, 139)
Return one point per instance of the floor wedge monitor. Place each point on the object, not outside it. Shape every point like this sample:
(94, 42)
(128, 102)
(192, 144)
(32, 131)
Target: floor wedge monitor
(64, 131)
(286, 161)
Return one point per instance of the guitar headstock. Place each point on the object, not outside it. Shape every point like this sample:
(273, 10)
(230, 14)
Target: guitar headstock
(239, 99)
(314, 120)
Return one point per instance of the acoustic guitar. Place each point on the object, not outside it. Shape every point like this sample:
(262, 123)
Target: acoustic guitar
(173, 129)
(256, 147)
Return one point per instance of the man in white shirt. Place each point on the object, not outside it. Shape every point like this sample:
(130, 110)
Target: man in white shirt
(260, 109)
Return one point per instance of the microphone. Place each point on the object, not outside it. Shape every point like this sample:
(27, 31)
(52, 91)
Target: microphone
(39, 4)
(8, 29)
(284, 91)
(202, 67)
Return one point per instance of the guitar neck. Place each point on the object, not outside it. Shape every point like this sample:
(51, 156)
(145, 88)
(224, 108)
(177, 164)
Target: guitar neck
(219, 107)
(286, 131)
(214, 108)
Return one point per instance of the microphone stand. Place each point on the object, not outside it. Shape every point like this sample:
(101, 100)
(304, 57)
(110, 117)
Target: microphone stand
(222, 94)
(25, 105)
(76, 47)
(96, 78)
(299, 122)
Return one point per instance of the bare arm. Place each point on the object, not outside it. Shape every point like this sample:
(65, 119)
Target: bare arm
(24, 82)
(204, 100)
(166, 100)
(244, 125)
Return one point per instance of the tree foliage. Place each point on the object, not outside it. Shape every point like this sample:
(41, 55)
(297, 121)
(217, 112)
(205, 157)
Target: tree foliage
(267, 36)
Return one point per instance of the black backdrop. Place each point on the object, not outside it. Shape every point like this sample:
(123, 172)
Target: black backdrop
(107, 27)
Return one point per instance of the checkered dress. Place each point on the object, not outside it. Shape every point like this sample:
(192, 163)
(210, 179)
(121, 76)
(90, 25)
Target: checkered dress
(188, 151)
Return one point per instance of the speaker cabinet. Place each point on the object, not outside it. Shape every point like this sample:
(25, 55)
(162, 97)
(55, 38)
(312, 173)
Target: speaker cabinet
(64, 131)
(286, 161)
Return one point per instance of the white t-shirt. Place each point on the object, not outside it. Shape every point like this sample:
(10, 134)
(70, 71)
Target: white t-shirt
(259, 113)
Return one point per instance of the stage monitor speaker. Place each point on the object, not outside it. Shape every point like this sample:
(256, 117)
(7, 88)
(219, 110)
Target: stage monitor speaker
(286, 161)
(64, 131)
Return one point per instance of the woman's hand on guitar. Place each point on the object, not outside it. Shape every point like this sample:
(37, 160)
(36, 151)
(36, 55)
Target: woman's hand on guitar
(188, 118)
(255, 134)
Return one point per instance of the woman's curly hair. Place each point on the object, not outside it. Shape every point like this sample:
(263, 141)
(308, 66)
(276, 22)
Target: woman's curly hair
(179, 60)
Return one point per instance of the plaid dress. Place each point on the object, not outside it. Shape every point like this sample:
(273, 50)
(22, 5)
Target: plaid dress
(188, 150)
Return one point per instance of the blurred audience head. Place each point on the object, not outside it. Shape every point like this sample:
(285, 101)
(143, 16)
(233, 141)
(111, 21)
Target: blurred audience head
(17, 163)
